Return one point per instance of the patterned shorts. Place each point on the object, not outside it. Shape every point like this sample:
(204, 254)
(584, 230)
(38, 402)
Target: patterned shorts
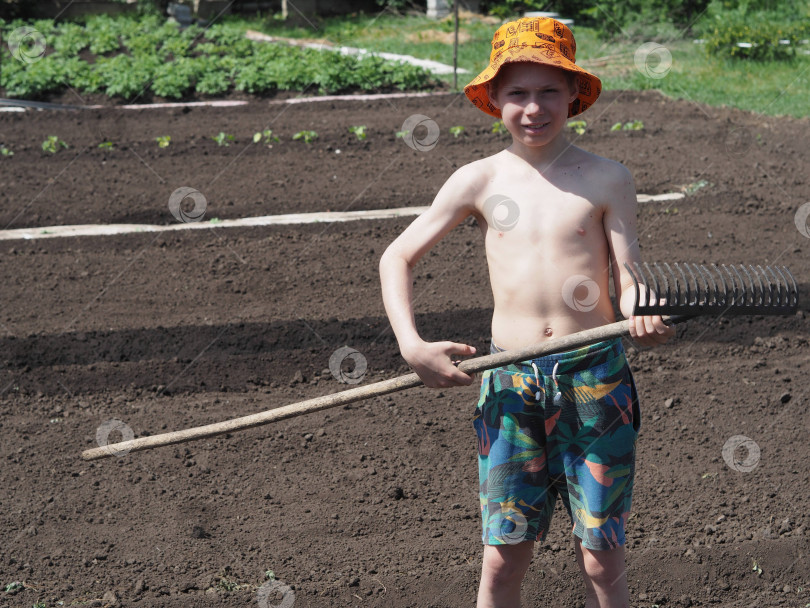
(564, 425)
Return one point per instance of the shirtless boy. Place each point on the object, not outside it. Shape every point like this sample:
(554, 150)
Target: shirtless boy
(555, 220)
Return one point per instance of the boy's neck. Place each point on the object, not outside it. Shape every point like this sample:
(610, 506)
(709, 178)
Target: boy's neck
(541, 157)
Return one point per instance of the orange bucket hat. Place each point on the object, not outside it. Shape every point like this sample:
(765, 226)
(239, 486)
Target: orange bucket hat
(539, 40)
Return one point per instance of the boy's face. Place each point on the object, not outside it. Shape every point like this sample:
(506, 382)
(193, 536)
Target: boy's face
(533, 100)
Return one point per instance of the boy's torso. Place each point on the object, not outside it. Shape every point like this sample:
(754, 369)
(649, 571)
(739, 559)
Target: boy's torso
(546, 247)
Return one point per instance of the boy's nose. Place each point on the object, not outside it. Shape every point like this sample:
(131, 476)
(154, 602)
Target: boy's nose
(532, 107)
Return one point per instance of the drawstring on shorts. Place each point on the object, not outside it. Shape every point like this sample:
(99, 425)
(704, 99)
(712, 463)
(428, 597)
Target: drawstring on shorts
(558, 395)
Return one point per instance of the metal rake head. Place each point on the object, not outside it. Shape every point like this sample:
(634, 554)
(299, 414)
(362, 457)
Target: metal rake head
(694, 289)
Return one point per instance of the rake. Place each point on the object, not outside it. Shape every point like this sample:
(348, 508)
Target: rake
(677, 292)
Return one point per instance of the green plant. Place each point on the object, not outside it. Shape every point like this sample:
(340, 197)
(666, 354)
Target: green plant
(267, 136)
(53, 144)
(505, 9)
(457, 130)
(359, 131)
(498, 127)
(578, 126)
(307, 136)
(14, 587)
(754, 29)
(695, 186)
(5, 151)
(163, 141)
(106, 145)
(635, 125)
(223, 139)
(40, 605)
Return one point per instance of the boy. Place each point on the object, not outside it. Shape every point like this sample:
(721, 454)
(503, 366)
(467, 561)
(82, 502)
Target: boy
(555, 219)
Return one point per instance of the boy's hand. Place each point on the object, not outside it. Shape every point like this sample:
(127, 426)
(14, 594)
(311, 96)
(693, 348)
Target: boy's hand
(650, 330)
(435, 363)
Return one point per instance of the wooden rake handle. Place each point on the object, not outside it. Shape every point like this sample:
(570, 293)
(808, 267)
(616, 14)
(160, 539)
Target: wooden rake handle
(470, 366)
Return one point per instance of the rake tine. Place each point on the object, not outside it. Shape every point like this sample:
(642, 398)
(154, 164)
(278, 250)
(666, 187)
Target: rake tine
(753, 287)
(711, 293)
(743, 294)
(793, 296)
(761, 274)
(657, 286)
(761, 286)
(686, 283)
(782, 298)
(648, 286)
(733, 285)
(697, 289)
(724, 303)
(674, 282)
(703, 295)
(776, 294)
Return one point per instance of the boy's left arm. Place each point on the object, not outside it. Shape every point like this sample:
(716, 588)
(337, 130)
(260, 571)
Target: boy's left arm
(619, 221)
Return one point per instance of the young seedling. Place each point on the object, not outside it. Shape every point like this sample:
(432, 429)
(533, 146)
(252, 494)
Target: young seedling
(266, 136)
(307, 136)
(401, 134)
(106, 145)
(635, 125)
(5, 151)
(223, 139)
(359, 131)
(163, 141)
(457, 130)
(498, 127)
(690, 189)
(578, 126)
(53, 144)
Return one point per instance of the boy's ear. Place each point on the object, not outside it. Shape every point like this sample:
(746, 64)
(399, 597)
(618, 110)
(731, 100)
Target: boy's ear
(573, 86)
(492, 92)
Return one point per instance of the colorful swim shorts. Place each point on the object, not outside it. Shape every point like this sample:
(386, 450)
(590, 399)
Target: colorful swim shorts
(564, 425)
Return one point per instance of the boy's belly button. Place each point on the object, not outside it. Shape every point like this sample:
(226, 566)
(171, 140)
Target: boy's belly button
(581, 231)
(548, 332)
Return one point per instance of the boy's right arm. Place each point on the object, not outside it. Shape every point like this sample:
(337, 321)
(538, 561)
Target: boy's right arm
(432, 361)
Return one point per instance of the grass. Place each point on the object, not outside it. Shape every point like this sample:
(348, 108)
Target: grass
(772, 87)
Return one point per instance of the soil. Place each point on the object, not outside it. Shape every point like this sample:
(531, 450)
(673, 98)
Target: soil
(372, 504)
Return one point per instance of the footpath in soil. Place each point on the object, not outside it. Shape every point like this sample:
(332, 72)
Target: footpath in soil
(372, 504)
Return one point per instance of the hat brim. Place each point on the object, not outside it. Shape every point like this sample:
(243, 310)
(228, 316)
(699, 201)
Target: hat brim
(590, 86)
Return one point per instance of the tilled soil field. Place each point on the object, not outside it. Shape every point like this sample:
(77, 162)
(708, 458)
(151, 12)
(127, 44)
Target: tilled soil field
(375, 503)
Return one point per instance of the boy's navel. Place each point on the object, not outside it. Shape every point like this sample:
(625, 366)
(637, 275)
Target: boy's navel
(581, 231)
(548, 332)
